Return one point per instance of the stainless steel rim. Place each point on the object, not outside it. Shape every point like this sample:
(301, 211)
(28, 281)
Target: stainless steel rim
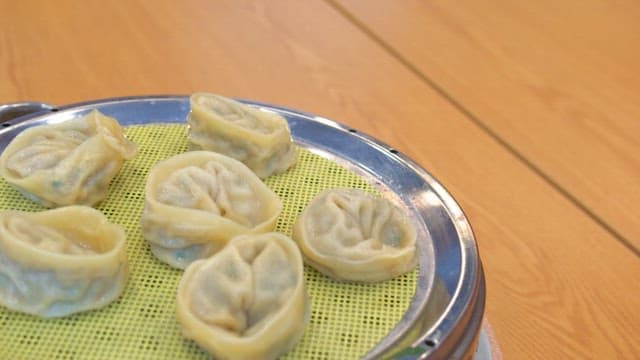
(12, 111)
(445, 315)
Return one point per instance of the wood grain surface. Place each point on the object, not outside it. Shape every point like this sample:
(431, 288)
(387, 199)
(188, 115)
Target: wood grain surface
(560, 285)
(557, 81)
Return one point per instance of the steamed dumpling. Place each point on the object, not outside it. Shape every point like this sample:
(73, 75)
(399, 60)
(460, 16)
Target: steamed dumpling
(58, 262)
(349, 234)
(195, 202)
(68, 163)
(248, 301)
(261, 140)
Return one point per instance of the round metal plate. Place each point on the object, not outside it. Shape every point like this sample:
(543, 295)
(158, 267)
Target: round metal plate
(444, 317)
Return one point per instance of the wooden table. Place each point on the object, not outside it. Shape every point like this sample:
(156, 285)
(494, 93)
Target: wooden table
(528, 112)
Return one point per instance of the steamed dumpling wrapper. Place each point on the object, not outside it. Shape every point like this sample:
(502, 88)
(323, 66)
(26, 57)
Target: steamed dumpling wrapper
(349, 234)
(68, 163)
(58, 262)
(197, 201)
(259, 139)
(248, 301)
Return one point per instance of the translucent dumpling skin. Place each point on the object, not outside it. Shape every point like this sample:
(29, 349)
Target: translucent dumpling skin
(197, 201)
(58, 262)
(259, 139)
(68, 163)
(349, 234)
(248, 301)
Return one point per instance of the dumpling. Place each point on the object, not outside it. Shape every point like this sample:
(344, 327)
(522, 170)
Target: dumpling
(68, 163)
(196, 201)
(349, 234)
(248, 301)
(59, 262)
(261, 140)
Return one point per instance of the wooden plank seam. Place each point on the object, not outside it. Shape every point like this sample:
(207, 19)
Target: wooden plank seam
(484, 127)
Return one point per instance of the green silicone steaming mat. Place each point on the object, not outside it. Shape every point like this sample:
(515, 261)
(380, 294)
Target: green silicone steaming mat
(347, 319)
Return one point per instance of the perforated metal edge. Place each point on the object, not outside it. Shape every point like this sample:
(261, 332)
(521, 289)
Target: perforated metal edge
(444, 317)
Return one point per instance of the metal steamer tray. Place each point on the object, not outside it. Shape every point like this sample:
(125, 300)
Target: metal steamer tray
(443, 317)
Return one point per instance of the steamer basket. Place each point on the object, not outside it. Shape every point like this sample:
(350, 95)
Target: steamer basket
(433, 313)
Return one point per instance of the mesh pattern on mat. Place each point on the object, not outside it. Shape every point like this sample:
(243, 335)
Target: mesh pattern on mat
(346, 319)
